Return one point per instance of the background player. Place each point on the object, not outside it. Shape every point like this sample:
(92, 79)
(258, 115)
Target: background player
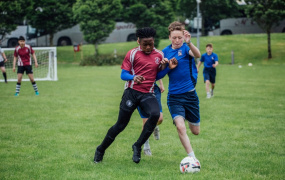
(22, 53)
(139, 69)
(182, 100)
(3, 59)
(144, 116)
(210, 60)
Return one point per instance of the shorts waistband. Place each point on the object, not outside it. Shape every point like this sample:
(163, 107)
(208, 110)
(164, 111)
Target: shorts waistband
(192, 90)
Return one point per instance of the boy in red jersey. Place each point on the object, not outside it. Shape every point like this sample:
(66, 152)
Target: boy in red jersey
(3, 59)
(22, 52)
(139, 70)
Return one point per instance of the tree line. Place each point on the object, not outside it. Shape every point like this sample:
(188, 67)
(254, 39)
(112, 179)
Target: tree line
(97, 17)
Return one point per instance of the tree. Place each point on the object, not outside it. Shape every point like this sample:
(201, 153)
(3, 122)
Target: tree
(11, 13)
(149, 13)
(97, 18)
(51, 16)
(267, 14)
(212, 11)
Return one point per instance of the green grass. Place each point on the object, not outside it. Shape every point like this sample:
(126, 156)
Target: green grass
(54, 135)
(247, 48)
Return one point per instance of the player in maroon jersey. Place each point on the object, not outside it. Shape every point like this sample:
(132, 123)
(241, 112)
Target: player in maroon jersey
(22, 53)
(139, 70)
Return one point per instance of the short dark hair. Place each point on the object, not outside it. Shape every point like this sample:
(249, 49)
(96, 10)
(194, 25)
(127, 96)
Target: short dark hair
(209, 45)
(21, 38)
(146, 32)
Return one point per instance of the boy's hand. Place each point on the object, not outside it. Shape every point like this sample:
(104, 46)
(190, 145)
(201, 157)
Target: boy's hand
(173, 63)
(187, 36)
(164, 61)
(36, 65)
(161, 88)
(139, 79)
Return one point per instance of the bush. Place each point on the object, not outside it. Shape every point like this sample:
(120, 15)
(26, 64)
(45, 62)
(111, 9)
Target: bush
(100, 60)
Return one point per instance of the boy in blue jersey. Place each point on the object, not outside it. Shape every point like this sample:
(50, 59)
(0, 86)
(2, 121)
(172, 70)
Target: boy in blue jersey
(182, 100)
(210, 60)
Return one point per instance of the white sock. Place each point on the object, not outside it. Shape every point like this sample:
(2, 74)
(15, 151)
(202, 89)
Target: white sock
(191, 154)
(146, 145)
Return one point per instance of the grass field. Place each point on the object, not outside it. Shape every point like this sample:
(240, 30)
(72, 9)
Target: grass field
(246, 47)
(54, 135)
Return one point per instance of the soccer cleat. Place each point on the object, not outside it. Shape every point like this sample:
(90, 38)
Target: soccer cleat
(212, 93)
(37, 93)
(156, 133)
(16, 94)
(98, 156)
(208, 95)
(147, 152)
(137, 154)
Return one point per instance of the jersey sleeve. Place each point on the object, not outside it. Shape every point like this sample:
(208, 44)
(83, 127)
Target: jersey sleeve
(127, 65)
(216, 57)
(187, 49)
(32, 51)
(1, 50)
(15, 53)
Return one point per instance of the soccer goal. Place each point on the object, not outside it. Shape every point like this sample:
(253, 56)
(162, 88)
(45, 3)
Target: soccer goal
(47, 61)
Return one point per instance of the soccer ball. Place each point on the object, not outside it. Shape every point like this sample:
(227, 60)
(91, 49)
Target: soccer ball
(190, 165)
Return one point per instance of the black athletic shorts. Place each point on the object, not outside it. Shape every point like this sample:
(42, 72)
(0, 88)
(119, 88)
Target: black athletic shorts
(2, 64)
(131, 99)
(22, 69)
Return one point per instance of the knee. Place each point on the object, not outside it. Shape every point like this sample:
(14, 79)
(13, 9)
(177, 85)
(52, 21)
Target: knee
(180, 128)
(196, 132)
(155, 115)
(117, 128)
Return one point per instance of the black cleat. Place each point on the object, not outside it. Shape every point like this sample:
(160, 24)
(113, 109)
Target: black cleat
(137, 154)
(98, 156)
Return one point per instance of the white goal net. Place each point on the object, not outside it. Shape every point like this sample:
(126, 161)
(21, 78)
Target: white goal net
(47, 61)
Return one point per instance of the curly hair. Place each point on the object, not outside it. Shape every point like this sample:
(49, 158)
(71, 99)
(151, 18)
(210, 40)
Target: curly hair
(175, 26)
(145, 32)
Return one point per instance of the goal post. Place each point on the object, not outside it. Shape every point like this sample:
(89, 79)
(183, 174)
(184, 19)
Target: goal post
(47, 65)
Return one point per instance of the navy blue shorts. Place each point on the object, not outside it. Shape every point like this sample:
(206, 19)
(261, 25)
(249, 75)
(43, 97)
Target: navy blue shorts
(22, 69)
(185, 105)
(209, 74)
(2, 64)
(157, 93)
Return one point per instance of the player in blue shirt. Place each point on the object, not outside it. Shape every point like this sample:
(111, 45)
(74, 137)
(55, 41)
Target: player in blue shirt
(182, 100)
(210, 60)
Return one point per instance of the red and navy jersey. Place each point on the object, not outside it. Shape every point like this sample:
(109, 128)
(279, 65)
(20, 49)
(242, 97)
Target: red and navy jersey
(23, 55)
(146, 65)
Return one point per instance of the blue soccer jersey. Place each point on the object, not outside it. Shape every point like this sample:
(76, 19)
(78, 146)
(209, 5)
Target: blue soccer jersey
(209, 60)
(183, 78)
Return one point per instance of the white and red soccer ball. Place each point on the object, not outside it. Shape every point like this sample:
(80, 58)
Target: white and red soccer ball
(190, 165)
